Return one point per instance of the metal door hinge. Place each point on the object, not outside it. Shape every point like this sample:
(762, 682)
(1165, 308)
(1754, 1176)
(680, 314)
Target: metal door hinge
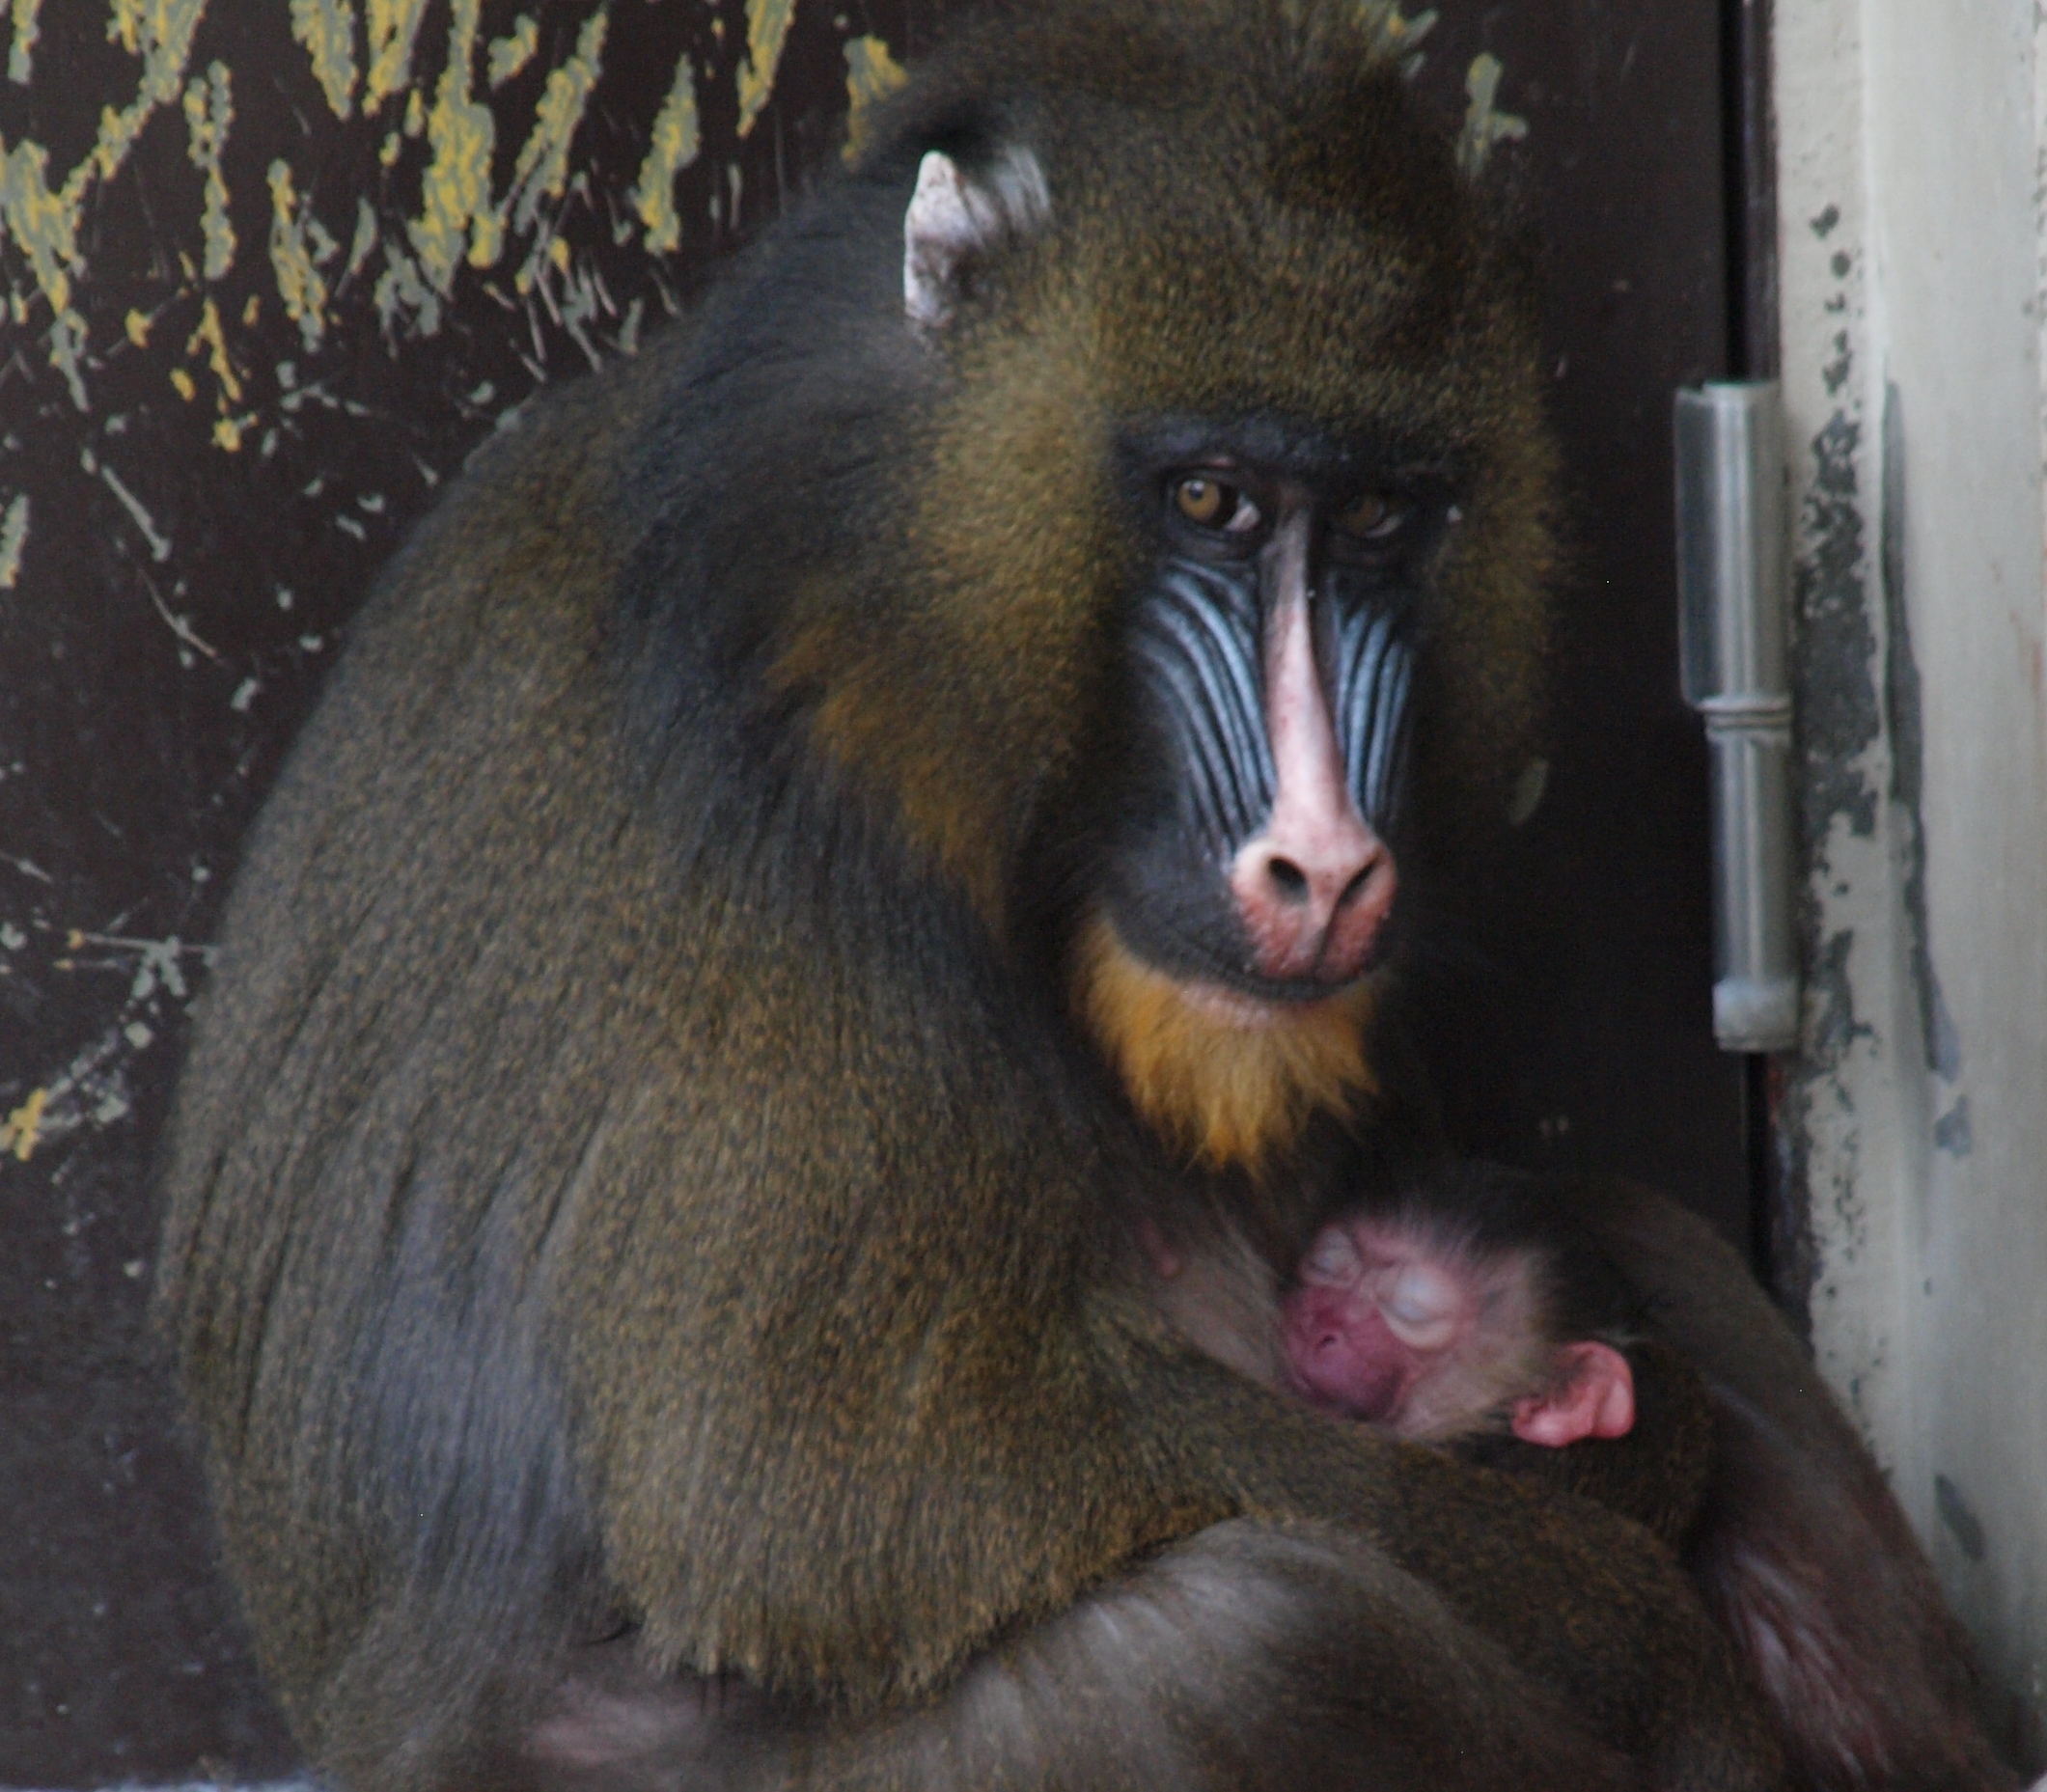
(1732, 567)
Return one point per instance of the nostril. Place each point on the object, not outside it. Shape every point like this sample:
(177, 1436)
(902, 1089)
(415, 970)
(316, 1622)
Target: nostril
(1355, 887)
(1292, 880)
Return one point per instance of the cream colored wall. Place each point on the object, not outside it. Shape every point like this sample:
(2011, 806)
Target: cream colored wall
(1911, 142)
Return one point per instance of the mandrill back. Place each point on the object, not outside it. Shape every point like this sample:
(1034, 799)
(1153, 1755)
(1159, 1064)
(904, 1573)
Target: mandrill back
(644, 1234)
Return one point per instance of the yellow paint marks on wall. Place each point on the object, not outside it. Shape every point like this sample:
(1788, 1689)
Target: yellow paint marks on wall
(455, 213)
(20, 55)
(208, 111)
(160, 32)
(125, 27)
(327, 30)
(13, 538)
(138, 328)
(1483, 124)
(1397, 35)
(45, 226)
(44, 222)
(19, 1133)
(677, 142)
(768, 23)
(228, 431)
(390, 29)
(871, 75)
(510, 54)
(184, 384)
(210, 336)
(541, 171)
(300, 246)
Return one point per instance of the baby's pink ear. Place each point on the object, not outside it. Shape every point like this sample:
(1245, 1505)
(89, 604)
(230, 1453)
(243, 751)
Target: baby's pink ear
(1592, 1396)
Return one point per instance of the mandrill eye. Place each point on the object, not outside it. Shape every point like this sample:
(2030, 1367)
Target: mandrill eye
(1374, 518)
(1210, 504)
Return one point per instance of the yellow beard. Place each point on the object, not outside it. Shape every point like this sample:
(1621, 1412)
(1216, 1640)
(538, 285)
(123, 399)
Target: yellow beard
(1226, 1079)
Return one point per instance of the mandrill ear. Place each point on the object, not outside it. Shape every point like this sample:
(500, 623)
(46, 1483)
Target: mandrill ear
(957, 219)
(1592, 1396)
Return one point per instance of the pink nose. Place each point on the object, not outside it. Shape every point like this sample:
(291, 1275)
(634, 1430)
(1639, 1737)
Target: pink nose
(1313, 897)
(1313, 887)
(1341, 1356)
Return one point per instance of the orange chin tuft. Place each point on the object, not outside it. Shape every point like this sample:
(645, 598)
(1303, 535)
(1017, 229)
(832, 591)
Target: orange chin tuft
(1226, 1078)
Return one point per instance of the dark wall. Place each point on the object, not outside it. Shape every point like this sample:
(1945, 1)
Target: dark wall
(267, 289)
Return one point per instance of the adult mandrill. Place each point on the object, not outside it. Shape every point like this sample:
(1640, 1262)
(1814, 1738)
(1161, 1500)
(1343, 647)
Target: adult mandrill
(807, 820)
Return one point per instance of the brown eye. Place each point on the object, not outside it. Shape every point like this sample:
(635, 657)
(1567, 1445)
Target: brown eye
(1374, 518)
(1210, 504)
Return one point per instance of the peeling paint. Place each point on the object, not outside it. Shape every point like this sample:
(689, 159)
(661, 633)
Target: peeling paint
(872, 75)
(1939, 1039)
(1840, 716)
(208, 111)
(300, 246)
(677, 142)
(13, 538)
(1838, 726)
(510, 54)
(768, 23)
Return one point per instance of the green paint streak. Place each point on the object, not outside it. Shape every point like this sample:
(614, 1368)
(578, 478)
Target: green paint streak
(41, 222)
(13, 538)
(364, 238)
(456, 212)
(400, 289)
(208, 111)
(509, 55)
(1483, 126)
(300, 246)
(391, 29)
(541, 171)
(677, 142)
(768, 23)
(872, 75)
(20, 63)
(327, 30)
